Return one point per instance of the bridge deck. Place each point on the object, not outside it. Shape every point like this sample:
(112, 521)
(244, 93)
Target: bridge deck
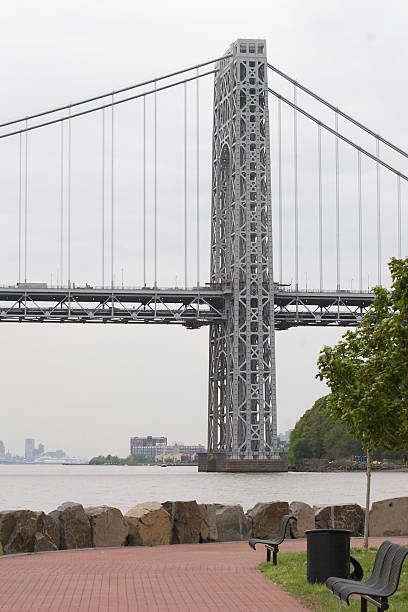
(192, 308)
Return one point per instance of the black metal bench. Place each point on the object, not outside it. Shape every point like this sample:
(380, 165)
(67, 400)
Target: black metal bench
(273, 545)
(382, 583)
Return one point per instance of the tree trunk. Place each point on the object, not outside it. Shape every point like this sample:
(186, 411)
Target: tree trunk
(367, 508)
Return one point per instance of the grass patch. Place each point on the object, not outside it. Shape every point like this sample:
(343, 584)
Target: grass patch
(290, 573)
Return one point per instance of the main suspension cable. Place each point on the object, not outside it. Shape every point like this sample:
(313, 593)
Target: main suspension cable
(115, 92)
(108, 105)
(337, 110)
(344, 138)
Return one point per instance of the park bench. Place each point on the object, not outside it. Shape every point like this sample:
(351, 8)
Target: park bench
(382, 583)
(273, 545)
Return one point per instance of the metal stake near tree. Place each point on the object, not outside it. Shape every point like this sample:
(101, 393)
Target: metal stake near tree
(368, 375)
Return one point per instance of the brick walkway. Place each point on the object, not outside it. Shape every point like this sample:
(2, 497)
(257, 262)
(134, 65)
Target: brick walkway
(188, 578)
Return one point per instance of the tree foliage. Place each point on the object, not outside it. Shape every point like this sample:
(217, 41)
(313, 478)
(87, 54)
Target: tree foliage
(318, 435)
(367, 370)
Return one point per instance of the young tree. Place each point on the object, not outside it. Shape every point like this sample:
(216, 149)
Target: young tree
(368, 375)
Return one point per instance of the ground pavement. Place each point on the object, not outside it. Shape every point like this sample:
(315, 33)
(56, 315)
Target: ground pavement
(217, 577)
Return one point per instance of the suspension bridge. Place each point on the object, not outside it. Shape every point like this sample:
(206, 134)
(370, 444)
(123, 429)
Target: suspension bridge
(294, 187)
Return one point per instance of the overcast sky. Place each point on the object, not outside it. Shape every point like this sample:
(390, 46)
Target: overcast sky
(87, 389)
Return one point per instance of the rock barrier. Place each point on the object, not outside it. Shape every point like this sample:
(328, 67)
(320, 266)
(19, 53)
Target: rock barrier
(184, 522)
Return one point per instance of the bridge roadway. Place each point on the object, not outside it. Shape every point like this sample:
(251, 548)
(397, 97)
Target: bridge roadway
(192, 308)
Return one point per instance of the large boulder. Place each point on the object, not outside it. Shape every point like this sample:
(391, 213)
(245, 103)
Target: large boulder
(389, 517)
(232, 524)
(108, 527)
(17, 531)
(208, 529)
(74, 527)
(149, 525)
(185, 521)
(22, 530)
(341, 516)
(48, 533)
(305, 518)
(266, 518)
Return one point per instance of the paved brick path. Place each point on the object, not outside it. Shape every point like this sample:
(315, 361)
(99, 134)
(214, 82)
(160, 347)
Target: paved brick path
(189, 578)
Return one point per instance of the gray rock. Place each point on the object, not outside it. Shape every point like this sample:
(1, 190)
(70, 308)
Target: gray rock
(49, 529)
(389, 517)
(43, 543)
(21, 530)
(232, 524)
(108, 527)
(305, 518)
(341, 516)
(149, 525)
(208, 529)
(185, 520)
(17, 531)
(266, 518)
(74, 527)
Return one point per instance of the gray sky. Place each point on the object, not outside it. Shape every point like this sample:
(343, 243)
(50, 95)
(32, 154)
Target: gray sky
(88, 389)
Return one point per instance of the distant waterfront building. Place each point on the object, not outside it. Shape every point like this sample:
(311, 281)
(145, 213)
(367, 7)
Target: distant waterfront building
(41, 449)
(146, 446)
(29, 449)
(2, 449)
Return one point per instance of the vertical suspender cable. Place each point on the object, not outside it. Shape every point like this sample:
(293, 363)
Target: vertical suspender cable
(185, 185)
(280, 190)
(25, 205)
(399, 216)
(378, 215)
(295, 166)
(337, 204)
(319, 146)
(144, 191)
(155, 184)
(61, 274)
(198, 176)
(103, 200)
(69, 201)
(19, 205)
(360, 227)
(112, 194)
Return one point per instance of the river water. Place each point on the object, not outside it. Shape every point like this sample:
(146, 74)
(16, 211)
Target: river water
(44, 487)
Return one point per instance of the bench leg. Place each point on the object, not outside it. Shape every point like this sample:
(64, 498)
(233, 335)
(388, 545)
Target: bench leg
(275, 556)
(363, 605)
(268, 554)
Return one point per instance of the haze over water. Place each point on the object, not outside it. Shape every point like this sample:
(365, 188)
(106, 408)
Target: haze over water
(44, 487)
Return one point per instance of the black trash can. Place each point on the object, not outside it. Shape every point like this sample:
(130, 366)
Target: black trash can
(328, 554)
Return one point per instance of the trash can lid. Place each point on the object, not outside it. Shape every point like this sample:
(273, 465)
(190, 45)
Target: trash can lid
(328, 531)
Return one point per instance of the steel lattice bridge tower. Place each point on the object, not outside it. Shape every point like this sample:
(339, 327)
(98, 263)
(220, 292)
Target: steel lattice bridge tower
(242, 304)
(242, 381)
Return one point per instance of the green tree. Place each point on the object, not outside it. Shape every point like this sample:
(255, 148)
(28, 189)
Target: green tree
(368, 375)
(318, 435)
